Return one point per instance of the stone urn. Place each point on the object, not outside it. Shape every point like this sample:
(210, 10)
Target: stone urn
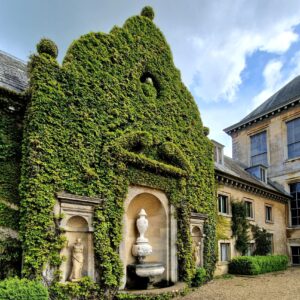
(141, 248)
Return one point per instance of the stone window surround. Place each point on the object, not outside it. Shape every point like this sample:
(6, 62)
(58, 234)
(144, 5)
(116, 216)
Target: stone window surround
(230, 251)
(285, 120)
(253, 208)
(255, 131)
(229, 204)
(272, 213)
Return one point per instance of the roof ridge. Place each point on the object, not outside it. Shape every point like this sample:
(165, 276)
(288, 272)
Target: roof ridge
(13, 57)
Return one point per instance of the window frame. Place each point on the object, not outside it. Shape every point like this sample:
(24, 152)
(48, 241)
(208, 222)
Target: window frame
(267, 206)
(228, 214)
(228, 243)
(267, 148)
(297, 208)
(292, 256)
(252, 205)
(288, 157)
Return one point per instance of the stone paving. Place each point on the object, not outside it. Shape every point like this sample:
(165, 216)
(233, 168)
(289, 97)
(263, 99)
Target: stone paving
(284, 285)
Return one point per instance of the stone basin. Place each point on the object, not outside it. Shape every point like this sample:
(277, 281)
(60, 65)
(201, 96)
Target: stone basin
(149, 269)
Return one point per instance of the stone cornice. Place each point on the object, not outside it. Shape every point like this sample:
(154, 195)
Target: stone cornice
(270, 113)
(238, 183)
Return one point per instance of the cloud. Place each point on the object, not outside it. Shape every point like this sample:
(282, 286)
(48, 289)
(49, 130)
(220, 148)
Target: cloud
(273, 80)
(219, 36)
(276, 76)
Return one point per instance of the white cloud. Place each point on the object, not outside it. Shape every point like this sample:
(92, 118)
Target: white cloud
(219, 35)
(274, 79)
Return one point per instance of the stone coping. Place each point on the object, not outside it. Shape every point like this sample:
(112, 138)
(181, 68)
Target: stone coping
(71, 198)
(174, 289)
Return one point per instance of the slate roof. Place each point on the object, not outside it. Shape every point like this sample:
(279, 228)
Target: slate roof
(237, 170)
(13, 73)
(286, 96)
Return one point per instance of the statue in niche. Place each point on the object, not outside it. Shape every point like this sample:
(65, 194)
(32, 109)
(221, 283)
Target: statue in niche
(77, 260)
(196, 253)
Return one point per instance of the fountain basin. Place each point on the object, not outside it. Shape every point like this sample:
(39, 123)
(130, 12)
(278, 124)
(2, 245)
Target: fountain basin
(144, 275)
(149, 269)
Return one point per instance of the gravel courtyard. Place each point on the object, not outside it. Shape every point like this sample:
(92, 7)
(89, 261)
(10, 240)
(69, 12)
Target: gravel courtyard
(283, 285)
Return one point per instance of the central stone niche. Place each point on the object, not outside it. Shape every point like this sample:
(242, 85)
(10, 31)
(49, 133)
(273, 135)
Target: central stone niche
(161, 233)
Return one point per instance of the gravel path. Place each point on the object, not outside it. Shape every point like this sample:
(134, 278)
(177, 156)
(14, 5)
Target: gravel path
(284, 285)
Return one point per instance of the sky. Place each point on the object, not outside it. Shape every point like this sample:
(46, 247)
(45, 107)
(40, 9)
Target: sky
(232, 54)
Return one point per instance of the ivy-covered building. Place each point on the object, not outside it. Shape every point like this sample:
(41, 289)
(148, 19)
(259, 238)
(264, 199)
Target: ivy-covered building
(86, 145)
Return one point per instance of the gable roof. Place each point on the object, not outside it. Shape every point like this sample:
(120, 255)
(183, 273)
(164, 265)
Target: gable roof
(235, 172)
(13, 73)
(287, 96)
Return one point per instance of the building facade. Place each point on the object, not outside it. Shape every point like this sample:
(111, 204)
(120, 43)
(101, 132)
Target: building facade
(266, 207)
(267, 141)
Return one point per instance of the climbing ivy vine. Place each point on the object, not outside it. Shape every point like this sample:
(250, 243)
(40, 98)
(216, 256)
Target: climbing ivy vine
(114, 113)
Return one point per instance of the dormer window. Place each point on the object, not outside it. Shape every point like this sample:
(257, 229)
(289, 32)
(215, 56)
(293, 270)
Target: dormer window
(218, 153)
(260, 172)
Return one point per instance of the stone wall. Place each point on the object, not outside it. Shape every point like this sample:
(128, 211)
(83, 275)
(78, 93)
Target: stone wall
(282, 170)
(277, 227)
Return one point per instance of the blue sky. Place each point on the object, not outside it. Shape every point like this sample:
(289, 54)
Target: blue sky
(232, 54)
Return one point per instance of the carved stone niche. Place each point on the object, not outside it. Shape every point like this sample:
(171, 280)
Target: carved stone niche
(77, 212)
(197, 221)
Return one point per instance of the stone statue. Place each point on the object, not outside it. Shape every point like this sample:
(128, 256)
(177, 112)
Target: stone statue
(196, 253)
(77, 260)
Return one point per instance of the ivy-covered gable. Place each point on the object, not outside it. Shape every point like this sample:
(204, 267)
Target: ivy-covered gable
(115, 113)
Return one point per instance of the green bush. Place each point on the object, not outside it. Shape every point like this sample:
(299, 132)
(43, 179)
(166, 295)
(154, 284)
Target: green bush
(22, 289)
(253, 265)
(200, 277)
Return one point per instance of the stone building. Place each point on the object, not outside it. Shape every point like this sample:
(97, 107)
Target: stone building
(265, 203)
(99, 151)
(267, 142)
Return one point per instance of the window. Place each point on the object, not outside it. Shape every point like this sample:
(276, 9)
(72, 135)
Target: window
(251, 248)
(260, 172)
(223, 204)
(259, 149)
(295, 203)
(293, 138)
(249, 209)
(271, 239)
(295, 255)
(225, 251)
(269, 216)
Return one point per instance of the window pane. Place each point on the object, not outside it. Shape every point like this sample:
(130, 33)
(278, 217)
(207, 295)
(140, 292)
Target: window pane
(296, 255)
(223, 204)
(259, 149)
(295, 203)
(224, 251)
(293, 137)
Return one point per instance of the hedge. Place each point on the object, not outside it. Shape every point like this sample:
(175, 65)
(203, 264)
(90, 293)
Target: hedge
(22, 289)
(253, 265)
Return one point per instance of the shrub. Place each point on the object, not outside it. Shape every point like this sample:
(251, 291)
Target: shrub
(200, 277)
(22, 289)
(148, 12)
(47, 46)
(263, 244)
(253, 265)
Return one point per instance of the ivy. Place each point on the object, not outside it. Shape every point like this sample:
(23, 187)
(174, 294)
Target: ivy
(115, 113)
(263, 242)
(240, 227)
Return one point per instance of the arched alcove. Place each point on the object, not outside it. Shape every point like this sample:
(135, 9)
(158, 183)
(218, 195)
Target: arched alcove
(157, 228)
(161, 233)
(196, 232)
